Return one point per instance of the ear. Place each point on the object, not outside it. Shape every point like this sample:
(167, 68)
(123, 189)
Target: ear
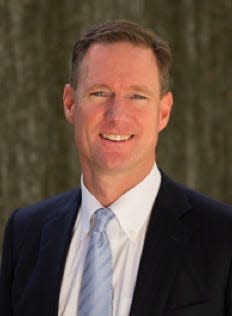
(69, 103)
(165, 110)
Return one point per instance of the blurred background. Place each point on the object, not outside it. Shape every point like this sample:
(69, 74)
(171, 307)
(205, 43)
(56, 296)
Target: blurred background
(37, 152)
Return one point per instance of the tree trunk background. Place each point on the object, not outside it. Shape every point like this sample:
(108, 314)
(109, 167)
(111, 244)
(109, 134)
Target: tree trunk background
(38, 157)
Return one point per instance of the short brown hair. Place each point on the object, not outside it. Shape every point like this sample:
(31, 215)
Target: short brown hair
(118, 31)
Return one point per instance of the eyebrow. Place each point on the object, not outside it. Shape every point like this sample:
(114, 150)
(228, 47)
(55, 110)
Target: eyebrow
(98, 86)
(135, 87)
(140, 88)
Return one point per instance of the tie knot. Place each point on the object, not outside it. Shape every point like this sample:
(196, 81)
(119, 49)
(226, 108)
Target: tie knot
(103, 216)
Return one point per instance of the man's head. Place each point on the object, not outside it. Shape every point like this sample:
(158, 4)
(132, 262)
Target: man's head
(123, 31)
(118, 101)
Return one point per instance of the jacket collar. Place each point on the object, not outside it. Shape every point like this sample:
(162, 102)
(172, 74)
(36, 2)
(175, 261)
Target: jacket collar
(55, 240)
(166, 235)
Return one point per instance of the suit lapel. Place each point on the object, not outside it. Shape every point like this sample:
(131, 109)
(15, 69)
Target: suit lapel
(55, 241)
(166, 235)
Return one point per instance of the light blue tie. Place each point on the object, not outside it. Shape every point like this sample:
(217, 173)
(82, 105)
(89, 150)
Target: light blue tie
(96, 292)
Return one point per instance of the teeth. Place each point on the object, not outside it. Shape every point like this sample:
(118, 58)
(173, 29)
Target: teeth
(116, 138)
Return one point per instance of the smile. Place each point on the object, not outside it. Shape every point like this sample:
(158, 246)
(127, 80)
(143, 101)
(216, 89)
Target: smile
(116, 137)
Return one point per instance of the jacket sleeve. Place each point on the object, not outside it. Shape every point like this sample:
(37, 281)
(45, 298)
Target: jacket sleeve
(6, 271)
(228, 297)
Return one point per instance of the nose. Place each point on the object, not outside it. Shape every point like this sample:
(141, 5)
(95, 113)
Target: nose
(116, 109)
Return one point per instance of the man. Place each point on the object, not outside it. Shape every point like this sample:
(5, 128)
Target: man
(168, 249)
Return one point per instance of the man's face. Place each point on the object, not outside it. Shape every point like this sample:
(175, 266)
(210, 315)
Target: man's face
(117, 109)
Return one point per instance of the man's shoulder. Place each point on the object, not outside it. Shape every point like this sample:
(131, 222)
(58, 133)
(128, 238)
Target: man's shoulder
(207, 219)
(26, 224)
(199, 202)
(43, 210)
(206, 203)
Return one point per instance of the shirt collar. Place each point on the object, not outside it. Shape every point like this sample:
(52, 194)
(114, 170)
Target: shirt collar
(132, 209)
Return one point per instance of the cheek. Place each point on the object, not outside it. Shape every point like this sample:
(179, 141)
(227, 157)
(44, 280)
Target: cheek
(85, 124)
(148, 120)
(86, 113)
(80, 122)
(81, 119)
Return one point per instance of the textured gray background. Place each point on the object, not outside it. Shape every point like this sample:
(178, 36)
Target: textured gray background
(38, 157)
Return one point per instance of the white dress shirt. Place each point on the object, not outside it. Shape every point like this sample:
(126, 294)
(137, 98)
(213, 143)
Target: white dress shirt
(126, 233)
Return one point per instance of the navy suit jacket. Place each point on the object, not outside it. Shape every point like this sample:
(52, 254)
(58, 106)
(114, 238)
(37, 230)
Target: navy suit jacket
(185, 268)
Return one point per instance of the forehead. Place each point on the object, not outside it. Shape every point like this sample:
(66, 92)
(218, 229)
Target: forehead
(119, 50)
(121, 59)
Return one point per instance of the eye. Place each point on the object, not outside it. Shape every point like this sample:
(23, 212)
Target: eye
(138, 97)
(99, 93)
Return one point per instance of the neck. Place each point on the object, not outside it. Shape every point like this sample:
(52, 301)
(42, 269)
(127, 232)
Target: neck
(107, 188)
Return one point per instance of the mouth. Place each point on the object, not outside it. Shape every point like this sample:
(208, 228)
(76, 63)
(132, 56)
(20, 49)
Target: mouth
(116, 137)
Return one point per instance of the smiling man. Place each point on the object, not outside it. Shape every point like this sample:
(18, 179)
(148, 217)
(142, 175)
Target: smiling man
(117, 110)
(130, 241)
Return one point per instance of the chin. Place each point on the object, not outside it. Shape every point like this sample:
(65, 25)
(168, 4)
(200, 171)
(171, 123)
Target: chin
(113, 165)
